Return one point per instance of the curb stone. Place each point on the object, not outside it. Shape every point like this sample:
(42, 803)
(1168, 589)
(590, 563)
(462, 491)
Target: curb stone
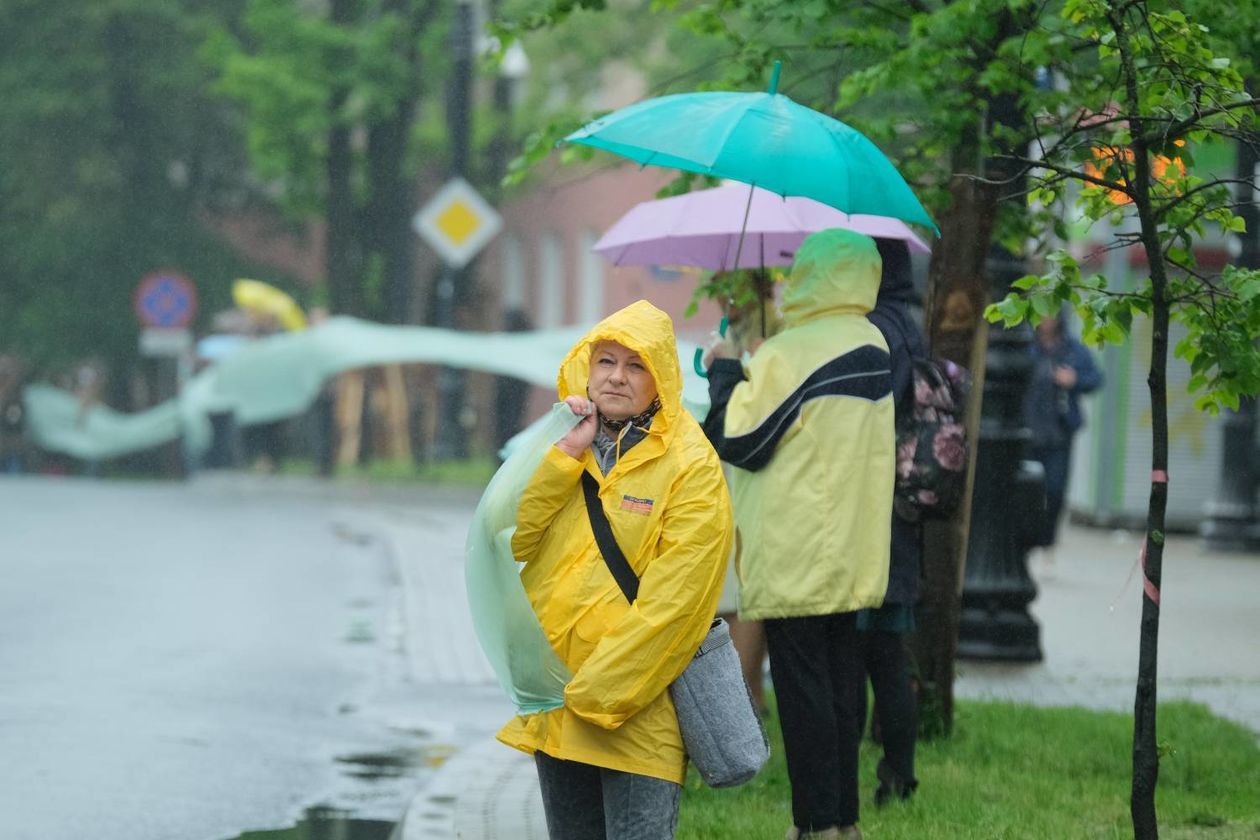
(485, 792)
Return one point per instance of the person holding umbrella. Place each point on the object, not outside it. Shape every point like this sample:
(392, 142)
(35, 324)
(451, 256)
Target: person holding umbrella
(808, 424)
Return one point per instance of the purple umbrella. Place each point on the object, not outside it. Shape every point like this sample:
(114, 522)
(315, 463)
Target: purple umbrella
(702, 229)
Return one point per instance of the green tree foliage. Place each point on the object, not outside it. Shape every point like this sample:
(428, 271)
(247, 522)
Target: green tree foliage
(334, 99)
(579, 50)
(1146, 87)
(112, 150)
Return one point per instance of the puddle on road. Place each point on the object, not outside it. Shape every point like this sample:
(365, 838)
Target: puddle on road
(326, 824)
(391, 765)
(359, 632)
(374, 766)
(376, 783)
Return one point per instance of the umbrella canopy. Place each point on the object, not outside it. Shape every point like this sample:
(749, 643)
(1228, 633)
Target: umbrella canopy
(764, 139)
(265, 299)
(702, 229)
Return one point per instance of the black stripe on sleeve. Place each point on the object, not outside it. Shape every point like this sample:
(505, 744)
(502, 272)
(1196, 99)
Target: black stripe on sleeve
(724, 375)
(863, 373)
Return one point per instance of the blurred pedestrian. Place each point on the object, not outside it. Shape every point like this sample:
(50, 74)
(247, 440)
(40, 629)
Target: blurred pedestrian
(264, 443)
(1062, 370)
(322, 416)
(808, 423)
(750, 324)
(89, 385)
(12, 416)
(611, 761)
(511, 394)
(883, 630)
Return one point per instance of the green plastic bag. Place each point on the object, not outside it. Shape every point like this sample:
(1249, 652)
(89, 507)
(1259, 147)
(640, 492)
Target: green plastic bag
(527, 667)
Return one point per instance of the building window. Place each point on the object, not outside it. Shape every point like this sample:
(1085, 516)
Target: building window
(550, 281)
(513, 257)
(591, 279)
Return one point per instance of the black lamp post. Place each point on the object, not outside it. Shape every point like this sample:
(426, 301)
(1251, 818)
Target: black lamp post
(994, 622)
(452, 441)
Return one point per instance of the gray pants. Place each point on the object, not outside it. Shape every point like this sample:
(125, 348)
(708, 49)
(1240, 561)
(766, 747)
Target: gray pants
(584, 802)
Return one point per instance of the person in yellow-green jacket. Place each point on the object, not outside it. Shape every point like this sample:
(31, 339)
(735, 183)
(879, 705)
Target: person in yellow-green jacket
(611, 760)
(808, 425)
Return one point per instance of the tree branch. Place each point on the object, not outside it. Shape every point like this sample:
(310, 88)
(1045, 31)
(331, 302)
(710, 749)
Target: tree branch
(1030, 164)
(1179, 127)
(1163, 210)
(895, 13)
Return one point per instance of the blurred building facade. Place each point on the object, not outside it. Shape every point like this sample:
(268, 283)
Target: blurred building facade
(1111, 473)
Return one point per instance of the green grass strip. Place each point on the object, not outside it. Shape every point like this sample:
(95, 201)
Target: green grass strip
(1015, 771)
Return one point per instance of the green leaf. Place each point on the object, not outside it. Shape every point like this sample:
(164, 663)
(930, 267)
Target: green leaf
(1044, 305)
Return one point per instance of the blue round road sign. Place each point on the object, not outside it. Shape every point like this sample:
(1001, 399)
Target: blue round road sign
(166, 299)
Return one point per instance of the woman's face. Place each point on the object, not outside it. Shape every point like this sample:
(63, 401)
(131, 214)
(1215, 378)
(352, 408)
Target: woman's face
(619, 384)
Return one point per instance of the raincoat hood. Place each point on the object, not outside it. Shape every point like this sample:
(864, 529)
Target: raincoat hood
(897, 280)
(647, 331)
(835, 271)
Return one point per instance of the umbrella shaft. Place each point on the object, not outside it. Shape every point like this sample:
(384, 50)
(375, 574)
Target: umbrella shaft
(739, 246)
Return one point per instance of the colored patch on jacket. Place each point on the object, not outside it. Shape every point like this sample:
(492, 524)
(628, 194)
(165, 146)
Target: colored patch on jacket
(636, 505)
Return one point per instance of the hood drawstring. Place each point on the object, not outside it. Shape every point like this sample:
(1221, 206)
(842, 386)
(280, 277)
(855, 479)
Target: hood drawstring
(643, 419)
(605, 444)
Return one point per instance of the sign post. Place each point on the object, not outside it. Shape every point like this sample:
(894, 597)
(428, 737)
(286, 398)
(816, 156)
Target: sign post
(165, 302)
(457, 223)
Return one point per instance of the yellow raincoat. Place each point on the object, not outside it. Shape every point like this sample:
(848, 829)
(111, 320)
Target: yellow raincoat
(671, 515)
(809, 426)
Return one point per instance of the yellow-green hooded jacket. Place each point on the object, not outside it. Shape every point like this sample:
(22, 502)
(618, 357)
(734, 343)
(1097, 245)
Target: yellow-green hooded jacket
(809, 426)
(671, 514)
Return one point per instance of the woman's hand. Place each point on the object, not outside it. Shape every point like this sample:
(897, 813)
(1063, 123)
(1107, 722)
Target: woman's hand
(580, 436)
(719, 348)
(1065, 376)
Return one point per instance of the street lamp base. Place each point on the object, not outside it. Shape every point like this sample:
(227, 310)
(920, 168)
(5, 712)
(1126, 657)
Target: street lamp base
(998, 635)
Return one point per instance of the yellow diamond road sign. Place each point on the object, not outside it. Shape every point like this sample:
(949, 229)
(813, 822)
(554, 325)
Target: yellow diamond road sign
(457, 222)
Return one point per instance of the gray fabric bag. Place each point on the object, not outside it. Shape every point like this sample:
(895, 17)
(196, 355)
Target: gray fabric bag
(720, 728)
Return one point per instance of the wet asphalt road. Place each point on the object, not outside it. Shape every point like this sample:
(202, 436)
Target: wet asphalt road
(190, 661)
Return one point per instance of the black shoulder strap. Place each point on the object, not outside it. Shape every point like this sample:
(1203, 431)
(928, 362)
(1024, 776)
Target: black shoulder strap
(903, 404)
(617, 562)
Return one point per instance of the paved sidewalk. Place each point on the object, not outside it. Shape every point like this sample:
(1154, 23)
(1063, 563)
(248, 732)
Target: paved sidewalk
(484, 790)
(1088, 608)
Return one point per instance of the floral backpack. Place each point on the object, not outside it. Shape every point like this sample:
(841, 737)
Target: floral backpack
(932, 443)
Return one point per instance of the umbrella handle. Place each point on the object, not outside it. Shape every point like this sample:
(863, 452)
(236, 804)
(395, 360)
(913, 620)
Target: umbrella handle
(696, 361)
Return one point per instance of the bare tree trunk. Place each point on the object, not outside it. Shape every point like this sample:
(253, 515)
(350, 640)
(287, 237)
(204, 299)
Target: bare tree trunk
(341, 256)
(386, 224)
(958, 293)
(387, 218)
(958, 286)
(1145, 745)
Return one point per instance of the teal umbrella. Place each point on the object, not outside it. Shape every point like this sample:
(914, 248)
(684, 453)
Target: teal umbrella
(763, 139)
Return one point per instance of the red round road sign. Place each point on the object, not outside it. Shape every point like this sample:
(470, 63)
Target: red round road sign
(166, 299)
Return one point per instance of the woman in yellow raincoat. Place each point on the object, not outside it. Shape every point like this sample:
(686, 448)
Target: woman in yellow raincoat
(611, 760)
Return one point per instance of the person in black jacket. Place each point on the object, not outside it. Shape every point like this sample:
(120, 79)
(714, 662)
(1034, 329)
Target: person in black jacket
(883, 630)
